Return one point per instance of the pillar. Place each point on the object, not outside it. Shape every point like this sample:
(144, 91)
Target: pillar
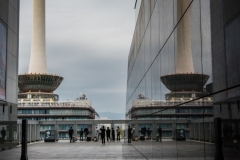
(35, 128)
(19, 133)
(75, 130)
(93, 130)
(200, 129)
(30, 133)
(57, 132)
(136, 130)
(154, 131)
(174, 127)
(194, 130)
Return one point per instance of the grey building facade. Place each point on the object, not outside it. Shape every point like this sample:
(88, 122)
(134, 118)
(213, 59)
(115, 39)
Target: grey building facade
(225, 26)
(9, 36)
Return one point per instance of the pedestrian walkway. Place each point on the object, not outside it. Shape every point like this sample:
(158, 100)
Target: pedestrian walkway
(167, 150)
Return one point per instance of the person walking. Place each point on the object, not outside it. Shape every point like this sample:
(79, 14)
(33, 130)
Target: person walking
(149, 134)
(113, 134)
(160, 133)
(108, 134)
(103, 130)
(3, 133)
(129, 134)
(81, 134)
(118, 133)
(70, 133)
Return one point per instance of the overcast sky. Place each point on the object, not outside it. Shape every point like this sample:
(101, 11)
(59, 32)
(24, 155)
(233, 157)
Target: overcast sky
(87, 43)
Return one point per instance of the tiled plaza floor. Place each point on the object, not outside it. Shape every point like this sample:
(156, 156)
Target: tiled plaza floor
(166, 150)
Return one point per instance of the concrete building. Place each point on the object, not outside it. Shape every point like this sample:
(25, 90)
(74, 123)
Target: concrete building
(9, 37)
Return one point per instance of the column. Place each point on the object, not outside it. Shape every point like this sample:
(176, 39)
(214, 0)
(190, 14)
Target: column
(136, 130)
(75, 130)
(154, 131)
(210, 130)
(10, 132)
(174, 127)
(199, 131)
(93, 130)
(35, 128)
(38, 132)
(57, 132)
(19, 131)
(30, 134)
(194, 130)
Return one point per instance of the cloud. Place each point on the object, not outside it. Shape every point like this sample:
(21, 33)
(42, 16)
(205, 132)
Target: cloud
(87, 42)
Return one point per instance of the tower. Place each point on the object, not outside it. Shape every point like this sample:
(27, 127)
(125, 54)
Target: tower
(38, 84)
(184, 84)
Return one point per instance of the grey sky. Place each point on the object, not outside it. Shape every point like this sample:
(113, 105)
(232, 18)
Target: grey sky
(87, 42)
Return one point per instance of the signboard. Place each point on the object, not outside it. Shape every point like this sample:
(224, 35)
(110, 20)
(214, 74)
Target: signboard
(3, 59)
(50, 136)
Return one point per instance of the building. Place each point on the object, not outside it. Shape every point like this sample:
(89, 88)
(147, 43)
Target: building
(225, 26)
(9, 37)
(48, 110)
(169, 61)
(145, 108)
(166, 32)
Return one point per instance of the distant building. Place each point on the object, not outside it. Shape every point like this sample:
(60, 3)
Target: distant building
(145, 108)
(49, 109)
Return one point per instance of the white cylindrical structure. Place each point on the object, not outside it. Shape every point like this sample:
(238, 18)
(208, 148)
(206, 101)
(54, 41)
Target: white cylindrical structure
(184, 61)
(38, 62)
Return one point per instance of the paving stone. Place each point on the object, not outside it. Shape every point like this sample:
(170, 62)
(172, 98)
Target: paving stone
(167, 150)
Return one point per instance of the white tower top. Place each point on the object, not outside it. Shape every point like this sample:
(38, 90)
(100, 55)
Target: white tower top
(38, 62)
(184, 53)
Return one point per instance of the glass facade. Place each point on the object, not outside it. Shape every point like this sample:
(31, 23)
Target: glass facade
(170, 78)
(9, 40)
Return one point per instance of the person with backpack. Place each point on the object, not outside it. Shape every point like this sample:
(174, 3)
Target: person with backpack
(108, 133)
(81, 134)
(118, 133)
(70, 133)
